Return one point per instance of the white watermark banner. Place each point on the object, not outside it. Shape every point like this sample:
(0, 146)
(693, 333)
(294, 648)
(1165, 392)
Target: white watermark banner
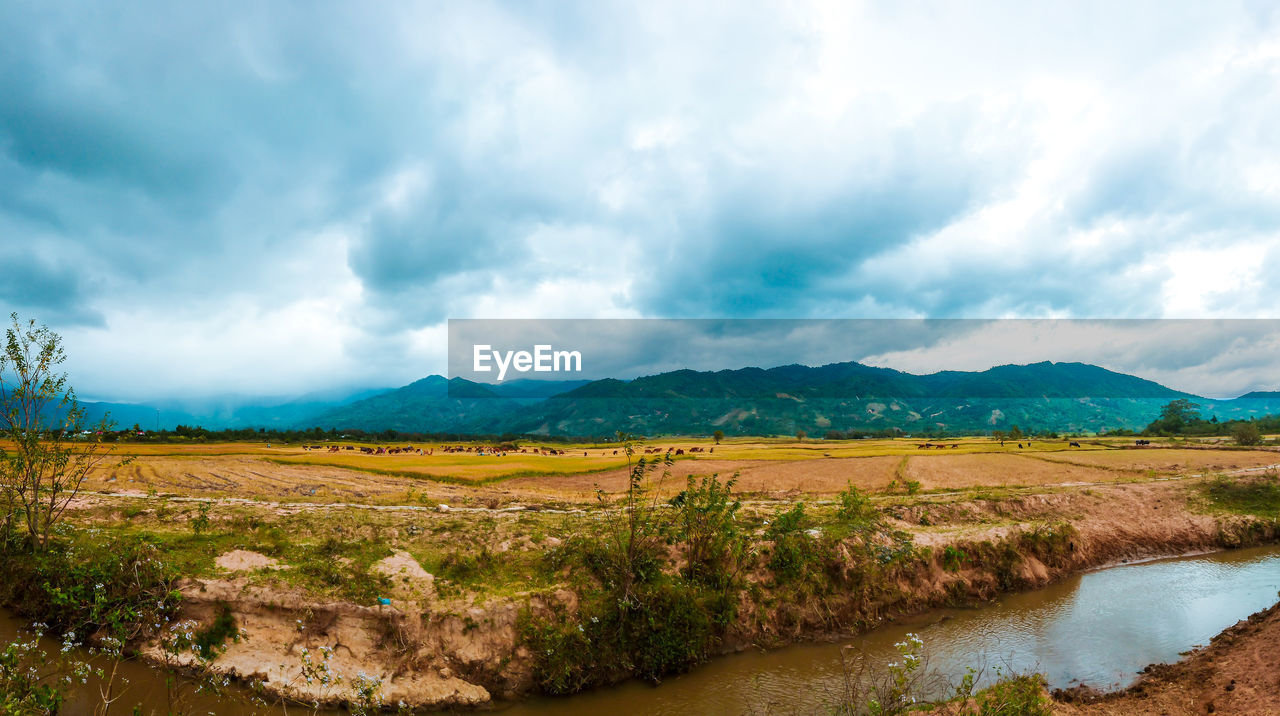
(854, 357)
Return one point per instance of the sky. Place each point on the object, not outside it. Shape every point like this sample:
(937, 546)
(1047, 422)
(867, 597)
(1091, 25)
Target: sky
(274, 198)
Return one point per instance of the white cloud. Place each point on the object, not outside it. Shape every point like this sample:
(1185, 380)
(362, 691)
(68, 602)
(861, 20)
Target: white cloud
(195, 178)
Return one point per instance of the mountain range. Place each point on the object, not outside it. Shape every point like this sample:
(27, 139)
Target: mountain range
(846, 397)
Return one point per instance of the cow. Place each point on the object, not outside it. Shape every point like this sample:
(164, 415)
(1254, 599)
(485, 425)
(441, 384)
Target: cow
(680, 451)
(1074, 444)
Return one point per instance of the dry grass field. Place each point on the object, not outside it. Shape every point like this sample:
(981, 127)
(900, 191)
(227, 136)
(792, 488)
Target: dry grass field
(767, 468)
(936, 472)
(1173, 460)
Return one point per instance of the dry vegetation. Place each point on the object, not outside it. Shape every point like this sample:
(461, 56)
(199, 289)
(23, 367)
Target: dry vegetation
(782, 469)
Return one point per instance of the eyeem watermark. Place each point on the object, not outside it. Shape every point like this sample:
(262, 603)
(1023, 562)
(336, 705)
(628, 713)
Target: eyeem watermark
(543, 359)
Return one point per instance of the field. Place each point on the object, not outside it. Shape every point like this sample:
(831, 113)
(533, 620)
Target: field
(774, 469)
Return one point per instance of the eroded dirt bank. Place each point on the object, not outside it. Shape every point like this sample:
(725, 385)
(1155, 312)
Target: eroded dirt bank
(435, 652)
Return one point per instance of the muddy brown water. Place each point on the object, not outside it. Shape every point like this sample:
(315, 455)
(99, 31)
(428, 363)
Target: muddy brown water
(1099, 628)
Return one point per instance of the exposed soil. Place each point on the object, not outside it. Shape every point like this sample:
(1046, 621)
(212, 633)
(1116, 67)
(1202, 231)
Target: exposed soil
(993, 469)
(439, 652)
(242, 560)
(1169, 460)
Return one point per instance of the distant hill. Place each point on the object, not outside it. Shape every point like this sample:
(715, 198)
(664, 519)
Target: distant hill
(755, 401)
(852, 396)
(432, 404)
(1074, 397)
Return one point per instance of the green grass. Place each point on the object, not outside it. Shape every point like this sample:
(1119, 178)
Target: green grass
(1258, 496)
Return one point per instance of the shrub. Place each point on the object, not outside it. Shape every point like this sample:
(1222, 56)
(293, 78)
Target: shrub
(706, 527)
(1015, 696)
(1246, 434)
(792, 556)
(209, 640)
(854, 509)
(953, 558)
(121, 587)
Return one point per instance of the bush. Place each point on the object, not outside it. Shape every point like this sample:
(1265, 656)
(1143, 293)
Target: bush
(209, 640)
(706, 527)
(1015, 696)
(953, 558)
(793, 556)
(119, 588)
(854, 509)
(1246, 434)
(641, 620)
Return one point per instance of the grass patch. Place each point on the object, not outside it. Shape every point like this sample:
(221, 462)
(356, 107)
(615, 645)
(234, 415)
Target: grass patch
(1257, 496)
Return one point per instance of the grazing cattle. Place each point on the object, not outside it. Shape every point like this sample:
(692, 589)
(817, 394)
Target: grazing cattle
(922, 446)
(680, 451)
(1019, 445)
(711, 450)
(334, 448)
(615, 452)
(1141, 442)
(1075, 444)
(955, 445)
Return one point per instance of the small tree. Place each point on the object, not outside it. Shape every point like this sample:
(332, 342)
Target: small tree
(717, 436)
(634, 534)
(1246, 434)
(41, 471)
(801, 435)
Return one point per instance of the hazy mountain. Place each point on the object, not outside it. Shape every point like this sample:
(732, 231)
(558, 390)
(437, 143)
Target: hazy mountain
(432, 404)
(226, 411)
(746, 401)
(756, 401)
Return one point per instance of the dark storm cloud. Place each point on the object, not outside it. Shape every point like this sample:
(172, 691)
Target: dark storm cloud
(333, 180)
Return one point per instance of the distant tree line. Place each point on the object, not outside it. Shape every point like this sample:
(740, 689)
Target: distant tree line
(198, 434)
(1182, 418)
(862, 434)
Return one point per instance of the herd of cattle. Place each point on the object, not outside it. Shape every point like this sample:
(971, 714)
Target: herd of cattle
(406, 450)
(487, 450)
(501, 451)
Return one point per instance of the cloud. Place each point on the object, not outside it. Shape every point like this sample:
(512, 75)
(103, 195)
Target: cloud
(369, 171)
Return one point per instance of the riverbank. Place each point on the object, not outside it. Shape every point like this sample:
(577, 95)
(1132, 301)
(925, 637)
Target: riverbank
(462, 607)
(1237, 673)
(486, 606)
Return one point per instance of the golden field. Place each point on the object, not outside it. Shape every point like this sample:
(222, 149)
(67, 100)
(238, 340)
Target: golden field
(768, 468)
